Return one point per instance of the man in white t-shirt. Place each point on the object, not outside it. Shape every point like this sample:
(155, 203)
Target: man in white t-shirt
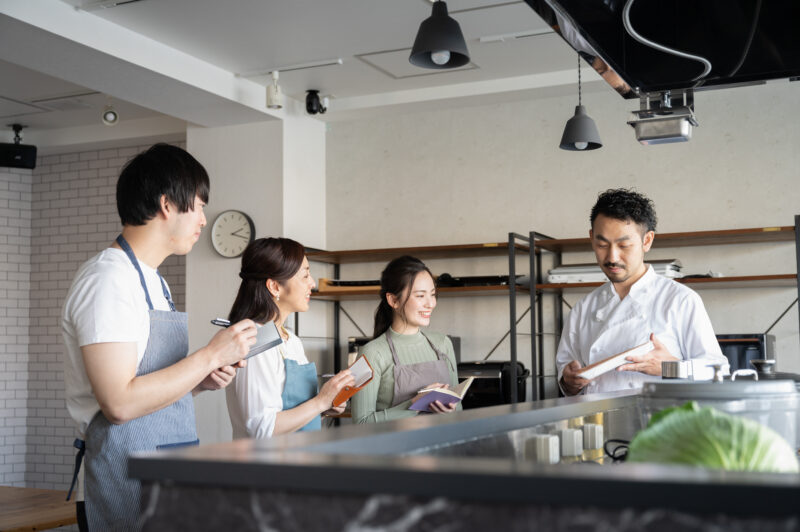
(634, 307)
(128, 379)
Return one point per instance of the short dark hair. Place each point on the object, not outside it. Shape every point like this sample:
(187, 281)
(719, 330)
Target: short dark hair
(161, 170)
(624, 204)
(278, 259)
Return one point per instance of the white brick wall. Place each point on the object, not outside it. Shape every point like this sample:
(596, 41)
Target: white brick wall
(66, 214)
(15, 267)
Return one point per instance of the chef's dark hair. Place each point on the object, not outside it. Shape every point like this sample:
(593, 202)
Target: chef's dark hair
(161, 170)
(397, 279)
(624, 204)
(278, 259)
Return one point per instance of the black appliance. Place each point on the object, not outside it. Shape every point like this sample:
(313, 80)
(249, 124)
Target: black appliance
(447, 280)
(740, 349)
(493, 382)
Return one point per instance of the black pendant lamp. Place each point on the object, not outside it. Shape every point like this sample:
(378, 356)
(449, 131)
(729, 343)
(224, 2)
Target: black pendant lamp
(439, 42)
(580, 133)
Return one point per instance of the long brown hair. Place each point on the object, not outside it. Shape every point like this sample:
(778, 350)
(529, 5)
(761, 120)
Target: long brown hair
(396, 278)
(278, 259)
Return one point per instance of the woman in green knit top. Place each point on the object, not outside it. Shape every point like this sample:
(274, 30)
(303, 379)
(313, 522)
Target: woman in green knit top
(403, 358)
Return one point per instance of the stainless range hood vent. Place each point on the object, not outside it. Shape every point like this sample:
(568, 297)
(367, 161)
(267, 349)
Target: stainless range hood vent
(664, 118)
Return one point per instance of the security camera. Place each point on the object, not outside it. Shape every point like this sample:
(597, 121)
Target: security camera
(313, 103)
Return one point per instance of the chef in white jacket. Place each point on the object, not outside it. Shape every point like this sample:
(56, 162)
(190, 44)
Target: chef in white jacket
(634, 307)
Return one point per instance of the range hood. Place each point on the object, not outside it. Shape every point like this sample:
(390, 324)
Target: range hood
(662, 51)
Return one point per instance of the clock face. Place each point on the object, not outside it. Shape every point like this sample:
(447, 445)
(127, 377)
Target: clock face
(231, 232)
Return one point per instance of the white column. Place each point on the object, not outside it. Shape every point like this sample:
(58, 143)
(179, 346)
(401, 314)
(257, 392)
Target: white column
(273, 171)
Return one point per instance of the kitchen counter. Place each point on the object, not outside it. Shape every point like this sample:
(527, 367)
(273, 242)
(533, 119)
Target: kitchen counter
(466, 470)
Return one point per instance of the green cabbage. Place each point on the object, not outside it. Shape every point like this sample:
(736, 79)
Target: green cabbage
(709, 438)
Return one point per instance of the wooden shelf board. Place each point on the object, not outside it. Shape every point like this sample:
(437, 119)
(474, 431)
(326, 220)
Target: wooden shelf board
(445, 291)
(696, 238)
(422, 252)
(745, 281)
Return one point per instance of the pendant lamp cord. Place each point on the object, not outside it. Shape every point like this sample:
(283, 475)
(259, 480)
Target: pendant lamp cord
(579, 79)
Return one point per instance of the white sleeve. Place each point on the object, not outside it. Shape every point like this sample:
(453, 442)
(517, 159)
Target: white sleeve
(568, 346)
(697, 338)
(258, 392)
(103, 309)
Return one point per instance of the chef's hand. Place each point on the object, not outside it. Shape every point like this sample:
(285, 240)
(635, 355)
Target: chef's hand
(649, 363)
(230, 345)
(332, 387)
(571, 381)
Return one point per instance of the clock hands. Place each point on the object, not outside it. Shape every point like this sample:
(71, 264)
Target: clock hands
(236, 233)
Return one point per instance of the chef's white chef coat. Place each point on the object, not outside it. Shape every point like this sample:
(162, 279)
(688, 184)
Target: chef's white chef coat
(602, 324)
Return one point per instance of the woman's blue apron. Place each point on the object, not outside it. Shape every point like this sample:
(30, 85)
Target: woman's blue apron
(112, 499)
(300, 386)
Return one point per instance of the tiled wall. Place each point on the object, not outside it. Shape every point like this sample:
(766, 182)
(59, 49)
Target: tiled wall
(15, 267)
(71, 213)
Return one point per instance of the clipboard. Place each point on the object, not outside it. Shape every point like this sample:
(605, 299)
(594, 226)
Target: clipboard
(362, 373)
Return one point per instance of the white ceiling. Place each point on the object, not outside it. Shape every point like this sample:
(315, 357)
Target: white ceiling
(245, 36)
(124, 53)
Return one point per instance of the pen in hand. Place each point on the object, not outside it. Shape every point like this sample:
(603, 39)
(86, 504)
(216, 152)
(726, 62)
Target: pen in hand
(221, 322)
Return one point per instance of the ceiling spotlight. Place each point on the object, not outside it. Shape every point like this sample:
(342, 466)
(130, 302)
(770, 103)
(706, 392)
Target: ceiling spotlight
(110, 116)
(580, 133)
(274, 96)
(439, 42)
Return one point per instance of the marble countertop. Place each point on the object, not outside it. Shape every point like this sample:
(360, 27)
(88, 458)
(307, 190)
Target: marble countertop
(391, 458)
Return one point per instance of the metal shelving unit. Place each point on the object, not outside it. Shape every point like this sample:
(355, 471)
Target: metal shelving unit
(515, 245)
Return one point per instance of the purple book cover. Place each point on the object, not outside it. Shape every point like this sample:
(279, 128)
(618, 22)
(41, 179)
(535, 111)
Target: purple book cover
(423, 403)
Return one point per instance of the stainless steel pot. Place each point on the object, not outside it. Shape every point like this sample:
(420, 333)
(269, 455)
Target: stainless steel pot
(774, 403)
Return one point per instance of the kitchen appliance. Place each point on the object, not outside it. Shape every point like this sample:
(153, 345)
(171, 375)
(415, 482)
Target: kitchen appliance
(493, 381)
(774, 403)
(765, 370)
(740, 349)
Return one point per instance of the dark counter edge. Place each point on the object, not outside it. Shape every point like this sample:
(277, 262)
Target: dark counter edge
(274, 466)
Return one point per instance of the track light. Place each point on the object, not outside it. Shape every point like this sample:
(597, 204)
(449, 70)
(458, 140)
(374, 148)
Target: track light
(110, 116)
(580, 133)
(274, 96)
(439, 43)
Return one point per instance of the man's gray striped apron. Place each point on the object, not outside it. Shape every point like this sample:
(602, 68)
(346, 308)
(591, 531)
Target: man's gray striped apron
(112, 500)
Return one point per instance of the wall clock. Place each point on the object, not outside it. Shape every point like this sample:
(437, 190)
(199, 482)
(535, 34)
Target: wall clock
(231, 232)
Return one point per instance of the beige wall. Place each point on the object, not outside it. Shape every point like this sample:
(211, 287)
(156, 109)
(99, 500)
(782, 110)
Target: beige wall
(474, 174)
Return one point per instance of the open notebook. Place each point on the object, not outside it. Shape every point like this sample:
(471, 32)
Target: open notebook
(362, 373)
(267, 337)
(444, 395)
(613, 362)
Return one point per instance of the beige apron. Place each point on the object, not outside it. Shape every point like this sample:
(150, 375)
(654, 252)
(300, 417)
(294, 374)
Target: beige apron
(411, 378)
